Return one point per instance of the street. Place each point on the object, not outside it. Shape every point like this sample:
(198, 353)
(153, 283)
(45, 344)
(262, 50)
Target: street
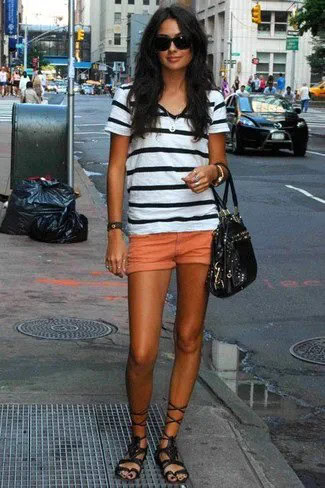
(282, 202)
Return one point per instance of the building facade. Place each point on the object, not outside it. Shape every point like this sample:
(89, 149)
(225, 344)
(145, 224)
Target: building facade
(233, 37)
(109, 25)
(136, 25)
(8, 52)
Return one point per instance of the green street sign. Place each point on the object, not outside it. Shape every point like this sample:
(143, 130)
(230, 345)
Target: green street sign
(235, 54)
(292, 44)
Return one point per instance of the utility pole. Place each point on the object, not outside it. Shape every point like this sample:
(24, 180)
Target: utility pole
(25, 46)
(230, 52)
(70, 156)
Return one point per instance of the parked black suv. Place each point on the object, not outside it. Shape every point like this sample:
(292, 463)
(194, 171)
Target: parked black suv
(265, 122)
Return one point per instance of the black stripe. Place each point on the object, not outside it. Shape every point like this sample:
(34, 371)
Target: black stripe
(174, 219)
(158, 188)
(120, 105)
(168, 150)
(153, 169)
(125, 87)
(221, 121)
(171, 205)
(115, 121)
(177, 132)
(220, 105)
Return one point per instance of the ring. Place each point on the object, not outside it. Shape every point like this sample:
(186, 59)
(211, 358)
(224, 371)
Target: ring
(197, 178)
(196, 183)
(194, 171)
(107, 267)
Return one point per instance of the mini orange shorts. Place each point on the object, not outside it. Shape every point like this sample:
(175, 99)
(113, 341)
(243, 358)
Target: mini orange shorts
(150, 252)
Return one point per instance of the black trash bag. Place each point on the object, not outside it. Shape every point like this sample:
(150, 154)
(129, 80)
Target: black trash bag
(34, 198)
(68, 227)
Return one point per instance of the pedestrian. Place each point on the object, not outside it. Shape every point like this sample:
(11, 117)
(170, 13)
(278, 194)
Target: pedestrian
(262, 84)
(236, 84)
(255, 83)
(29, 95)
(9, 83)
(242, 92)
(3, 80)
(16, 80)
(37, 84)
(270, 89)
(289, 96)
(23, 82)
(225, 87)
(280, 84)
(304, 97)
(171, 105)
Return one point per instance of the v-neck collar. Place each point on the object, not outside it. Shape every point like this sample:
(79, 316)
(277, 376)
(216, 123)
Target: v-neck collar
(172, 115)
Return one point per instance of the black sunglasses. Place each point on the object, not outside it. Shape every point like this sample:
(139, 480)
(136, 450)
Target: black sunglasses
(162, 43)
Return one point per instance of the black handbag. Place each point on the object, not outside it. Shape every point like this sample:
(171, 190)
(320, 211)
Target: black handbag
(233, 264)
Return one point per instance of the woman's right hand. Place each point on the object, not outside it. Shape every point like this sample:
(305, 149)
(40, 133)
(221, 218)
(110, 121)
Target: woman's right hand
(116, 254)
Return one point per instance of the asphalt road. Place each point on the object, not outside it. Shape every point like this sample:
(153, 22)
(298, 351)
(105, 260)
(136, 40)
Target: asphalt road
(282, 202)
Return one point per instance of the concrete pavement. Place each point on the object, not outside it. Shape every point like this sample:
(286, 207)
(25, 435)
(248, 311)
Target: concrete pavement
(223, 443)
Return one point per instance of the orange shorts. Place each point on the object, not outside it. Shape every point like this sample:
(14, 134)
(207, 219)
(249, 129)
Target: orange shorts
(150, 252)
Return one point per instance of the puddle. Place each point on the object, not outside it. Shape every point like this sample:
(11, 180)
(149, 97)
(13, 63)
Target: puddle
(231, 364)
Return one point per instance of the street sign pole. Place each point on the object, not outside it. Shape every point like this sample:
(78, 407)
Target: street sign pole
(70, 155)
(25, 46)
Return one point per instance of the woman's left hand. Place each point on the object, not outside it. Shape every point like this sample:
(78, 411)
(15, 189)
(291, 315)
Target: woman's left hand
(201, 178)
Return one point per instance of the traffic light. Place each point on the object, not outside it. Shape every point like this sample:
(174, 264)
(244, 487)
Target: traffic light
(80, 34)
(256, 14)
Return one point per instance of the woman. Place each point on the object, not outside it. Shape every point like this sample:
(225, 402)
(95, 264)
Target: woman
(236, 84)
(29, 95)
(23, 82)
(262, 84)
(15, 81)
(168, 138)
(225, 87)
(3, 81)
(37, 84)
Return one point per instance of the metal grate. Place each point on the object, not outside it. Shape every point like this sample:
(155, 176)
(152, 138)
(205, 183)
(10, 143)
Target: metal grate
(310, 350)
(65, 328)
(71, 446)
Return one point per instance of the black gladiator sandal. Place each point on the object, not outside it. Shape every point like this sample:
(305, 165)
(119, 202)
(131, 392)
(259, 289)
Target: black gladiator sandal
(171, 452)
(137, 454)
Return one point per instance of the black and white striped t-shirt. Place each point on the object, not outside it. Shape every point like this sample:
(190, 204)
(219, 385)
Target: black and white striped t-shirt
(159, 200)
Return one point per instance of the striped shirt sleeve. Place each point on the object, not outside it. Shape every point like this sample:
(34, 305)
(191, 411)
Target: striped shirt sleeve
(119, 120)
(218, 114)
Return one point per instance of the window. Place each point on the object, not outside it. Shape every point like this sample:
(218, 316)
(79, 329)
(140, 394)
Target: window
(265, 26)
(117, 39)
(263, 67)
(279, 63)
(157, 2)
(118, 2)
(117, 17)
(280, 23)
(131, 2)
(145, 2)
(274, 24)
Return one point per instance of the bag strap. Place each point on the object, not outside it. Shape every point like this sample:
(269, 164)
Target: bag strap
(222, 203)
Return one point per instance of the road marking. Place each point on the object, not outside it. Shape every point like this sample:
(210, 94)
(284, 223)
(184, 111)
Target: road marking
(304, 192)
(314, 152)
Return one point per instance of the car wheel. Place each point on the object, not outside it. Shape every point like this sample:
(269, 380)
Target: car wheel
(237, 147)
(299, 149)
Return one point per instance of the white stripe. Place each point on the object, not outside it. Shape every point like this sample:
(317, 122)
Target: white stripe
(314, 152)
(90, 132)
(304, 192)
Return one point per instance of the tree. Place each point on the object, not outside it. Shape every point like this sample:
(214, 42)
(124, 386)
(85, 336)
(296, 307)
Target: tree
(317, 59)
(310, 16)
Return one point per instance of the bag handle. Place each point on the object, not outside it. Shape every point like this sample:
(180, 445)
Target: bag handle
(222, 203)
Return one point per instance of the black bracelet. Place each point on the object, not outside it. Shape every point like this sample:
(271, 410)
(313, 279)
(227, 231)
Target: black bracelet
(114, 225)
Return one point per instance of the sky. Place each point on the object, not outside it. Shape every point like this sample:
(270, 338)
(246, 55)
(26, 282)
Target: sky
(45, 11)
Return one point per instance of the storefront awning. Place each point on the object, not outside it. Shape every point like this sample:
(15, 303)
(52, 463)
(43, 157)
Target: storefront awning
(63, 61)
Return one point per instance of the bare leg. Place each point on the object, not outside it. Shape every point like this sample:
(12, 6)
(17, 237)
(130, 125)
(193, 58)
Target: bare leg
(147, 293)
(188, 333)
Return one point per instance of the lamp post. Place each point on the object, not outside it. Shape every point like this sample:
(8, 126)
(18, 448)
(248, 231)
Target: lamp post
(70, 156)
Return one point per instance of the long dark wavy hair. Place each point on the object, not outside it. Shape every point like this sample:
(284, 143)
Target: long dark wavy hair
(148, 83)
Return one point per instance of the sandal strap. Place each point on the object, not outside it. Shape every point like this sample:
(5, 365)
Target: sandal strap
(137, 461)
(173, 408)
(143, 422)
(135, 449)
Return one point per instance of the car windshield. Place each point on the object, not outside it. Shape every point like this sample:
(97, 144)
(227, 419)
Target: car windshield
(264, 104)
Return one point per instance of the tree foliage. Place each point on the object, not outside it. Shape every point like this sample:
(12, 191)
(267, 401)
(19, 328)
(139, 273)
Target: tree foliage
(35, 52)
(310, 17)
(317, 59)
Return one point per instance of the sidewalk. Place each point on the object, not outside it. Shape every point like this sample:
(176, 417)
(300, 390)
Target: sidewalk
(62, 402)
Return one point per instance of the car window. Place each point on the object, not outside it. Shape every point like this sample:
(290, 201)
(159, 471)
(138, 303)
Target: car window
(265, 104)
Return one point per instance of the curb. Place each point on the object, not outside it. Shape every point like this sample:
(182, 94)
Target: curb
(245, 415)
(253, 435)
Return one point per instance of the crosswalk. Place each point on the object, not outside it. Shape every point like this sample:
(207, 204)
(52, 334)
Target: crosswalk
(315, 118)
(6, 109)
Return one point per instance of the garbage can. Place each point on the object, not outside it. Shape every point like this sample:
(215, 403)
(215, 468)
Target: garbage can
(39, 142)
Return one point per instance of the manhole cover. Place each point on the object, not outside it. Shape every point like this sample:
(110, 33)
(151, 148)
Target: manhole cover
(65, 328)
(311, 350)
